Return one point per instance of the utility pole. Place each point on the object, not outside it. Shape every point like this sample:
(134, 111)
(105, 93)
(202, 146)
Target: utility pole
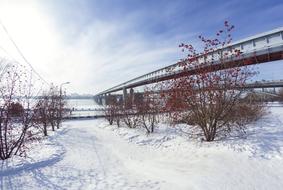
(60, 103)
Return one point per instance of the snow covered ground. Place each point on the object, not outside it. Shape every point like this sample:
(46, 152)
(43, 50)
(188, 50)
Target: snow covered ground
(90, 154)
(82, 104)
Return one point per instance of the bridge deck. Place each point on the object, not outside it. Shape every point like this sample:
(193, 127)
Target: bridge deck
(257, 49)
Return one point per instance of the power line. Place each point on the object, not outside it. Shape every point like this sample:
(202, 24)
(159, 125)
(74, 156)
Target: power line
(5, 51)
(20, 52)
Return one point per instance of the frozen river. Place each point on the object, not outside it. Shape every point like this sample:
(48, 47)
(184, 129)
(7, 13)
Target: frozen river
(83, 107)
(82, 104)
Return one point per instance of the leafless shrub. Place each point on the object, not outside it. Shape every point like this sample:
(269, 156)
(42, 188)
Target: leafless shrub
(17, 115)
(110, 109)
(148, 109)
(42, 117)
(210, 97)
(246, 113)
(113, 110)
(129, 114)
(130, 117)
(50, 110)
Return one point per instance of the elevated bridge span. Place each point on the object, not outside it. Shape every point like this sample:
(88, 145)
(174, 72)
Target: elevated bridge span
(261, 48)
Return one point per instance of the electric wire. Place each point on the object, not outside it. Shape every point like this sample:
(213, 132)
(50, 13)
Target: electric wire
(20, 52)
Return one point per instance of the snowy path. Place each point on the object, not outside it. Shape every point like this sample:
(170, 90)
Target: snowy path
(84, 161)
(89, 155)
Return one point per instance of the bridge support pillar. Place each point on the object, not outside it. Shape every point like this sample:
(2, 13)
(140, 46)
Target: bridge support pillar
(132, 97)
(107, 97)
(124, 95)
(98, 99)
(103, 99)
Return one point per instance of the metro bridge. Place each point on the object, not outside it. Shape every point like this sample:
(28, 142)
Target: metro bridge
(260, 48)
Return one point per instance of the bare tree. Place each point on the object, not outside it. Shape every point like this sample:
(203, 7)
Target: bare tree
(110, 109)
(48, 110)
(42, 110)
(56, 107)
(148, 109)
(210, 97)
(113, 110)
(129, 114)
(16, 112)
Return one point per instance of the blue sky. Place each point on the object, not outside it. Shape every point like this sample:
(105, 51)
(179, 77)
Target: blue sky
(106, 42)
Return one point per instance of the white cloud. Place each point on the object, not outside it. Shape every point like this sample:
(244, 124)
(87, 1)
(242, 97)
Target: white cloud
(102, 54)
(91, 52)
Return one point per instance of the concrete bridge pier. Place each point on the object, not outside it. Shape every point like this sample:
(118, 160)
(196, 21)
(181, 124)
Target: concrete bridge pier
(128, 99)
(125, 95)
(107, 99)
(102, 99)
(132, 96)
(98, 99)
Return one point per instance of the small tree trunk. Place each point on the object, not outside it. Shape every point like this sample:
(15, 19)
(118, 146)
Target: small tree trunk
(58, 125)
(45, 130)
(52, 126)
(118, 122)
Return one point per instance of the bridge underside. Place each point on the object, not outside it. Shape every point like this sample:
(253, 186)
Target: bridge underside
(260, 57)
(266, 88)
